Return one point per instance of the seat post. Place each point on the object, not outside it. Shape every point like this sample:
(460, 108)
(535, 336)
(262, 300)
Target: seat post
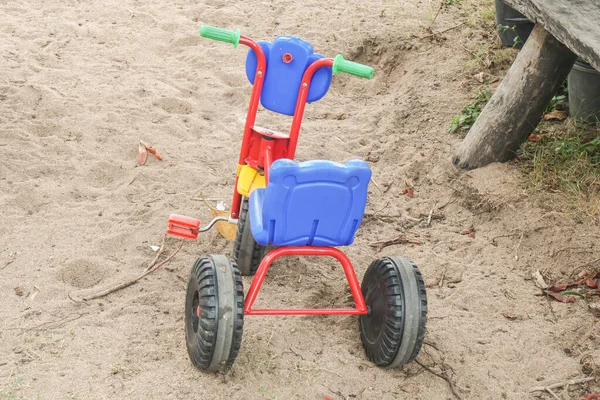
(261, 273)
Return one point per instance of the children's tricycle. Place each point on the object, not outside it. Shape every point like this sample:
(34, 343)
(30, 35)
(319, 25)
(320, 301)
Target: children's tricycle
(303, 209)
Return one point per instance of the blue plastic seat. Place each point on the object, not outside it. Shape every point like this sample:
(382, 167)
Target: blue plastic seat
(282, 79)
(313, 203)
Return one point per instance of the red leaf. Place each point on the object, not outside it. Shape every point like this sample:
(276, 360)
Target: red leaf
(560, 297)
(583, 274)
(564, 286)
(410, 192)
(592, 396)
(556, 115)
(591, 283)
(533, 137)
(558, 288)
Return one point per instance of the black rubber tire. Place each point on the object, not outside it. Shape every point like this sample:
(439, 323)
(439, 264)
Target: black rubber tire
(246, 252)
(394, 330)
(214, 313)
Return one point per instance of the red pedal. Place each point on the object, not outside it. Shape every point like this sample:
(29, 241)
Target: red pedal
(183, 227)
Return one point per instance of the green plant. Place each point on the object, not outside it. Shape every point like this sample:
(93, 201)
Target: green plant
(566, 158)
(555, 102)
(10, 392)
(559, 99)
(503, 28)
(469, 113)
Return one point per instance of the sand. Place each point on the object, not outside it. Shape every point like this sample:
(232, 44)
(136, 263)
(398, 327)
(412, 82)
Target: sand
(81, 82)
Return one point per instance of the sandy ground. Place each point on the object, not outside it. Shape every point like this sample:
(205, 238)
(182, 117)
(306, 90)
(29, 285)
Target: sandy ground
(81, 82)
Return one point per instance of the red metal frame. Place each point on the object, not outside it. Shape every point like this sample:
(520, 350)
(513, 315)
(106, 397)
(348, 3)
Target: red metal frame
(360, 306)
(254, 151)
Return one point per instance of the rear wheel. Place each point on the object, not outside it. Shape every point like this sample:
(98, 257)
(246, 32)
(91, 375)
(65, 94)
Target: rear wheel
(214, 313)
(393, 331)
(246, 252)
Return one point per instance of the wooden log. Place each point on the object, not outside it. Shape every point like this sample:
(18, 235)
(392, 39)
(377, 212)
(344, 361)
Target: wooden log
(517, 106)
(573, 22)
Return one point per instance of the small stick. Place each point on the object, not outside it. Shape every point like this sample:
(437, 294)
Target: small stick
(402, 239)
(429, 217)
(52, 324)
(158, 253)
(436, 15)
(151, 268)
(518, 245)
(444, 377)
(561, 384)
(552, 393)
(296, 353)
(589, 264)
(270, 337)
(331, 372)
(376, 185)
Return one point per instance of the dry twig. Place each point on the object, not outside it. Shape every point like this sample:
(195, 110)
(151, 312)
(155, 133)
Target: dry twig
(50, 324)
(444, 376)
(402, 239)
(153, 266)
(557, 385)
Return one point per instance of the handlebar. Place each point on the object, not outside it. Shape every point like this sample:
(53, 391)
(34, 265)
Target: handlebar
(351, 67)
(222, 35)
(339, 63)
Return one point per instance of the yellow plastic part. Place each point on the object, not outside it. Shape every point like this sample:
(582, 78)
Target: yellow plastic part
(249, 179)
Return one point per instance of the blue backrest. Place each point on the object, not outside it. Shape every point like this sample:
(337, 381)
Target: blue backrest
(282, 80)
(314, 203)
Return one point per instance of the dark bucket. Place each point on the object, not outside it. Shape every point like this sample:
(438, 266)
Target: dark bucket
(513, 27)
(584, 92)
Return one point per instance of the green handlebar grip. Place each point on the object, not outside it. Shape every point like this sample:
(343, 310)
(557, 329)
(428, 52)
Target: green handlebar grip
(222, 35)
(350, 67)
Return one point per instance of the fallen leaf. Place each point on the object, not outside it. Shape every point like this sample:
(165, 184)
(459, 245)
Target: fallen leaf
(155, 152)
(560, 297)
(36, 290)
(148, 149)
(558, 288)
(595, 309)
(556, 115)
(533, 137)
(539, 280)
(564, 286)
(227, 230)
(591, 281)
(592, 396)
(142, 154)
(510, 316)
(469, 232)
(410, 192)
(410, 388)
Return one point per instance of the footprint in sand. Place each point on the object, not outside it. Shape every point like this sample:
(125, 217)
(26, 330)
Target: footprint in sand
(83, 273)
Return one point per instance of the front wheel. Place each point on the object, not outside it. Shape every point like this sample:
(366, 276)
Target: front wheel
(214, 313)
(246, 252)
(393, 331)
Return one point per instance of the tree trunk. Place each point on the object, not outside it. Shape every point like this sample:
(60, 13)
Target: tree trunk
(517, 106)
